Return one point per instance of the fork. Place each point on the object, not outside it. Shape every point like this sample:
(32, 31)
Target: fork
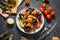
(45, 29)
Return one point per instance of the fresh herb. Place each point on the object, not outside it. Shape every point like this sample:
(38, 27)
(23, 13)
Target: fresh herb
(11, 2)
(6, 6)
(11, 37)
(21, 23)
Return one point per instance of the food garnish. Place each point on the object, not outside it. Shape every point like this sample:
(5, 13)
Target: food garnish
(10, 21)
(21, 23)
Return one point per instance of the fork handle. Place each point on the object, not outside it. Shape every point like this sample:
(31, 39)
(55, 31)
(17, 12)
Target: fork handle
(43, 31)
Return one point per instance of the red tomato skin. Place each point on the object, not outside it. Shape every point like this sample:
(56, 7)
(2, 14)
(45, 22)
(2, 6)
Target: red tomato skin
(48, 17)
(50, 9)
(52, 13)
(38, 25)
(43, 5)
(45, 12)
(41, 9)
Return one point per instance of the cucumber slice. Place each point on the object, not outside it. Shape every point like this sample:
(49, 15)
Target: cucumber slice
(21, 23)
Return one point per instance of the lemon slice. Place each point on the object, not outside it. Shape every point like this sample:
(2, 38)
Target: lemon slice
(10, 20)
(21, 23)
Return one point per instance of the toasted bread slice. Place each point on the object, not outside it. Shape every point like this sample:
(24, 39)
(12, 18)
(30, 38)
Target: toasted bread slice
(13, 10)
(55, 38)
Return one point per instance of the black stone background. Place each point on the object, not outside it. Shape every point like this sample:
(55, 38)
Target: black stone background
(37, 4)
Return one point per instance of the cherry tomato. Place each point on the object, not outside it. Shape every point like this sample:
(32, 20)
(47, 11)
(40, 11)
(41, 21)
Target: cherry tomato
(34, 13)
(52, 13)
(50, 8)
(42, 9)
(45, 12)
(48, 17)
(43, 5)
(38, 25)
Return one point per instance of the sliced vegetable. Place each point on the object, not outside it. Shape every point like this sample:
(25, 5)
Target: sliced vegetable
(21, 23)
(10, 21)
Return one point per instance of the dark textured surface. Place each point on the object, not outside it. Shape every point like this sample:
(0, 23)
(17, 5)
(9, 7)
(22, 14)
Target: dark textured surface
(34, 3)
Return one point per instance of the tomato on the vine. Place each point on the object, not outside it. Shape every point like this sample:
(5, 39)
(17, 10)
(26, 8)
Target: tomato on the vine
(50, 9)
(42, 9)
(52, 13)
(48, 17)
(45, 12)
(43, 5)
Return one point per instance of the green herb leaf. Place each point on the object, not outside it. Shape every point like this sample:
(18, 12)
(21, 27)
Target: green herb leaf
(7, 7)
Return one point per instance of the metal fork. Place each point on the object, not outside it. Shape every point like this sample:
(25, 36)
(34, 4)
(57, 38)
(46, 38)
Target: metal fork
(46, 28)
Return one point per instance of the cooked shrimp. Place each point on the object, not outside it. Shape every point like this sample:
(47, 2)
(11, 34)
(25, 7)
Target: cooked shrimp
(34, 17)
(24, 21)
(34, 12)
(29, 16)
(28, 12)
(29, 24)
(24, 24)
(29, 20)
